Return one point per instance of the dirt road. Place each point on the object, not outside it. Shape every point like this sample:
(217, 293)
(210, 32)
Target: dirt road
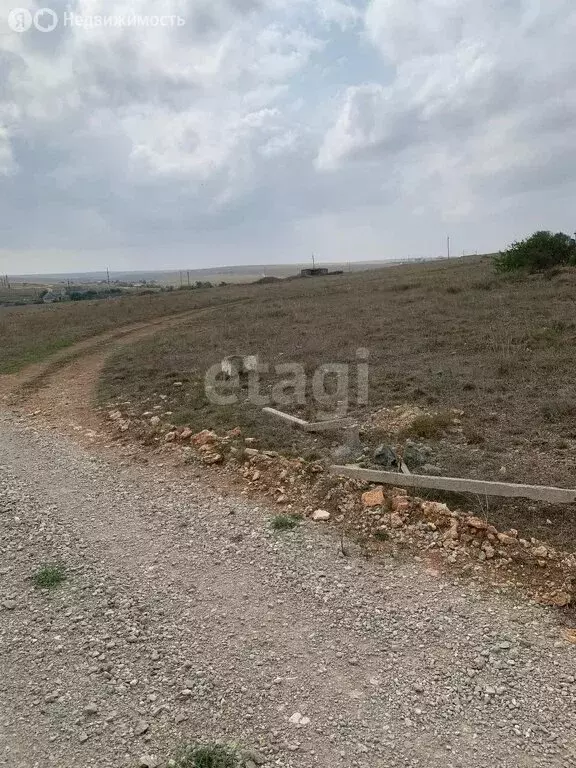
(184, 617)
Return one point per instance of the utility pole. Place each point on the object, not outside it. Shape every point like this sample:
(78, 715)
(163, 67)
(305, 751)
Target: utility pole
(188, 276)
(108, 276)
(313, 262)
(448, 245)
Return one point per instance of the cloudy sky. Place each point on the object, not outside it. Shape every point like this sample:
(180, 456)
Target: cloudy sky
(260, 131)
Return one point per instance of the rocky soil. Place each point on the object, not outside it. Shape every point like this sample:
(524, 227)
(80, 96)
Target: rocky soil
(185, 618)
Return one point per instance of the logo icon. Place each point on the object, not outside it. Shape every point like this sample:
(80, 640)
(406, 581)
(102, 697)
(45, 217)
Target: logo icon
(19, 19)
(45, 20)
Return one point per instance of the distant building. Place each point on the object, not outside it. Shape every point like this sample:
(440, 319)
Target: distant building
(314, 272)
(54, 295)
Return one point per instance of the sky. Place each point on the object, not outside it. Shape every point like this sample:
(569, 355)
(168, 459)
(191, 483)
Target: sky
(261, 131)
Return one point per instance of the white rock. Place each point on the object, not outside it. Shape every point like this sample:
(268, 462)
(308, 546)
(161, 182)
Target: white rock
(320, 515)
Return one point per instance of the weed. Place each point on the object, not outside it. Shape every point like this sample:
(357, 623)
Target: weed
(284, 522)
(428, 426)
(49, 576)
(381, 535)
(208, 756)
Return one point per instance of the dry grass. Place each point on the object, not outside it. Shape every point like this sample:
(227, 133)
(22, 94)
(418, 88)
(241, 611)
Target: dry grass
(31, 333)
(441, 336)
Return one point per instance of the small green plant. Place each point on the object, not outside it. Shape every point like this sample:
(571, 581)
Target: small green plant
(49, 576)
(284, 522)
(381, 535)
(208, 756)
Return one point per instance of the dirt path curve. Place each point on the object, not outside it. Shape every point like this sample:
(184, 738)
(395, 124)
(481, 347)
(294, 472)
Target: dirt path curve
(60, 389)
(185, 617)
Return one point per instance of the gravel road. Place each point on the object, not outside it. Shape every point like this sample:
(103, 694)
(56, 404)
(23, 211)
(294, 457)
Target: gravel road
(185, 617)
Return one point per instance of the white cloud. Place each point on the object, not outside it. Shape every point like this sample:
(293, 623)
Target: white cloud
(261, 123)
(466, 109)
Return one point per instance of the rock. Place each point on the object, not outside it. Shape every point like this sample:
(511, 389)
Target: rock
(115, 415)
(385, 456)
(91, 709)
(83, 738)
(170, 436)
(9, 605)
(212, 458)
(154, 421)
(413, 456)
(396, 521)
(541, 552)
(148, 761)
(435, 511)
(559, 598)
(490, 552)
(186, 434)
(298, 719)
(400, 504)
(204, 438)
(374, 498)
(476, 523)
(251, 452)
(320, 515)
(141, 727)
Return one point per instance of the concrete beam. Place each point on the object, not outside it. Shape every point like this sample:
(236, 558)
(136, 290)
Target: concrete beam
(459, 485)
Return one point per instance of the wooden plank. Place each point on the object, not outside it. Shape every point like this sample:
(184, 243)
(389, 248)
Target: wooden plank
(404, 468)
(480, 487)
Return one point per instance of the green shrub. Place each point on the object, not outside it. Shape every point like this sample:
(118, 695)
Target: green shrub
(540, 252)
(427, 426)
(49, 576)
(208, 756)
(284, 522)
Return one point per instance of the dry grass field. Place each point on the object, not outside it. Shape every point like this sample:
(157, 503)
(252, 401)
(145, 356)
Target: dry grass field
(30, 333)
(479, 369)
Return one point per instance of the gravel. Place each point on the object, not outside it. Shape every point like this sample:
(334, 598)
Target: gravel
(184, 617)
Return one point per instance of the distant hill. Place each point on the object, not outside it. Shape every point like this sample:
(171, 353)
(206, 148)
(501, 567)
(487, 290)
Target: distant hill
(232, 274)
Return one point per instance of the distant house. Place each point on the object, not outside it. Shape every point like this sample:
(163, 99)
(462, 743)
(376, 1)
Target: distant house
(313, 272)
(54, 295)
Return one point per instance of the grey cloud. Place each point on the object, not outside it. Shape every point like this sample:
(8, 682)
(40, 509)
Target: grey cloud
(155, 139)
